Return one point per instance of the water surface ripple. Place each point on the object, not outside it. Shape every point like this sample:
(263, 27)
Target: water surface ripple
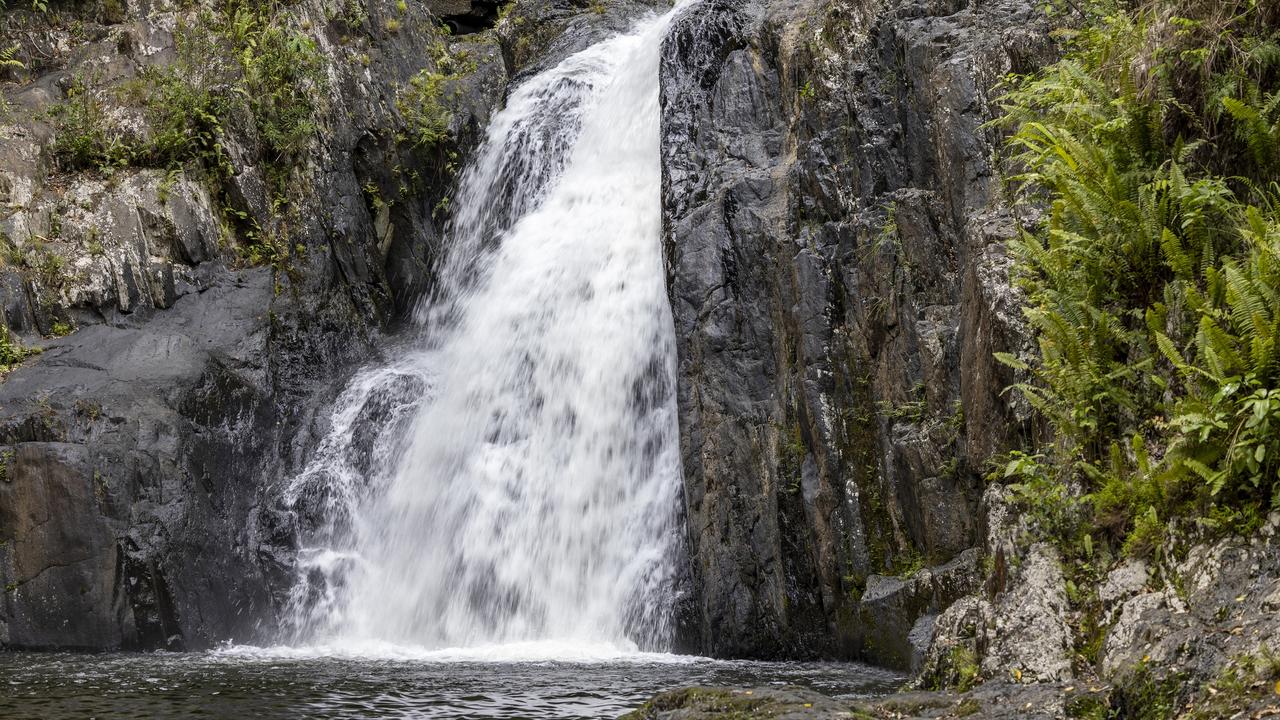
(292, 684)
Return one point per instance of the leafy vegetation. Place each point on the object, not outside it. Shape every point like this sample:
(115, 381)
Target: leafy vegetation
(424, 111)
(9, 58)
(239, 67)
(83, 139)
(422, 103)
(1154, 276)
(12, 352)
(34, 5)
(237, 62)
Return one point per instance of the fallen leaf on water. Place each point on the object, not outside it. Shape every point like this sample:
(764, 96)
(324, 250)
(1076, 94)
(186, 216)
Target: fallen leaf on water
(808, 704)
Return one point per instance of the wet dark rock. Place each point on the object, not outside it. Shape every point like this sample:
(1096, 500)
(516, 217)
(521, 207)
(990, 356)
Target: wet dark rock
(834, 240)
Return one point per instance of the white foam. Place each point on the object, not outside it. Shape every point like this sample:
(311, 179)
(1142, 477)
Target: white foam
(561, 651)
(522, 481)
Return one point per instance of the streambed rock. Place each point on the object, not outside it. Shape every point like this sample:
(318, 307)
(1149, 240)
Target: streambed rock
(997, 701)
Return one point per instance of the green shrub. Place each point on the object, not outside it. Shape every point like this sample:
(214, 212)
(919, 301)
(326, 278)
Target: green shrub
(423, 104)
(424, 111)
(1154, 279)
(237, 63)
(282, 75)
(187, 101)
(83, 140)
(12, 352)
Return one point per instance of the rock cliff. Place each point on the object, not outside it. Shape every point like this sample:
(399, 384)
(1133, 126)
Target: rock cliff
(834, 236)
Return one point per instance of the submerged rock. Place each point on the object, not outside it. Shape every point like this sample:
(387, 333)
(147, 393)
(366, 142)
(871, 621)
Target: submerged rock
(997, 701)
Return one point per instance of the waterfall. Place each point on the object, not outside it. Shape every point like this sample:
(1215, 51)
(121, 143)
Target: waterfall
(513, 475)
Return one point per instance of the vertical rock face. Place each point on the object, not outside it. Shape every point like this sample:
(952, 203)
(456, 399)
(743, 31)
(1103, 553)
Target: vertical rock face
(834, 240)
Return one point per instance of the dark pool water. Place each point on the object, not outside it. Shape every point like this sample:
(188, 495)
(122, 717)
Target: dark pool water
(251, 683)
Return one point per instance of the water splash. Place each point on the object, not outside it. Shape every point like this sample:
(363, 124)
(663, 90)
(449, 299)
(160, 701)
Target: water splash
(513, 477)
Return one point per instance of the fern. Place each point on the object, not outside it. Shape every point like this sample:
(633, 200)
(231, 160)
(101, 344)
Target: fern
(1153, 282)
(9, 59)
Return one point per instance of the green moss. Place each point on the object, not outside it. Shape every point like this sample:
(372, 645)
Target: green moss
(791, 454)
(856, 436)
(6, 457)
(1146, 695)
(726, 704)
(1088, 707)
(907, 563)
(963, 663)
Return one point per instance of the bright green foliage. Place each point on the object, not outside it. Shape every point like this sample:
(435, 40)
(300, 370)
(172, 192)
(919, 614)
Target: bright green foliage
(9, 58)
(241, 60)
(424, 111)
(11, 351)
(237, 63)
(281, 68)
(187, 101)
(35, 5)
(1154, 278)
(83, 140)
(424, 103)
(240, 69)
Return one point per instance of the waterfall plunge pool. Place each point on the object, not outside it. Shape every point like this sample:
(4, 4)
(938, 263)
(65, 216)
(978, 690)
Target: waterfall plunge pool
(514, 681)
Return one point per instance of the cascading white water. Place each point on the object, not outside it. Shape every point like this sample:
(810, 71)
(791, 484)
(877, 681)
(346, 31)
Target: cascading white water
(514, 475)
